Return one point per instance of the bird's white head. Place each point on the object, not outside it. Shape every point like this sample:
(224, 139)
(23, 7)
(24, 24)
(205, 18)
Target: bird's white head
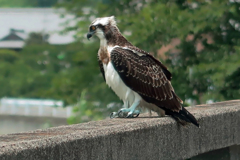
(101, 27)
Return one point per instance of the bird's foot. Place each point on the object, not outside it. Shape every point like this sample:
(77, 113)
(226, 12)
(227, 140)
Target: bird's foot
(113, 115)
(125, 113)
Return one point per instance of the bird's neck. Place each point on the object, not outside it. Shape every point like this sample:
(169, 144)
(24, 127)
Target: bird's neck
(108, 42)
(103, 43)
(114, 37)
(117, 39)
(114, 40)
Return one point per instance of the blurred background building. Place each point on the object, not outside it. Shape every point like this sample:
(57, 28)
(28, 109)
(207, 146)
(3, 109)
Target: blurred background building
(19, 22)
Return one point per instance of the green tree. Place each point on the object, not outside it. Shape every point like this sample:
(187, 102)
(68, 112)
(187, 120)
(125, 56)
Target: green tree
(27, 3)
(14, 73)
(85, 110)
(37, 38)
(231, 89)
(8, 56)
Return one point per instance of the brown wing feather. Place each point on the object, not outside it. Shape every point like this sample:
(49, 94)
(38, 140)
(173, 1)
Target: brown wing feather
(145, 75)
(164, 68)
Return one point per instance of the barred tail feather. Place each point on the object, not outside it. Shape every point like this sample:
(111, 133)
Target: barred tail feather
(183, 117)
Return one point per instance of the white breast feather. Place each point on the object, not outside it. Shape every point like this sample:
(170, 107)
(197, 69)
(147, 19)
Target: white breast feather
(114, 81)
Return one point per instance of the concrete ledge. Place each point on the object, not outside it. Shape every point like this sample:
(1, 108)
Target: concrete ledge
(140, 138)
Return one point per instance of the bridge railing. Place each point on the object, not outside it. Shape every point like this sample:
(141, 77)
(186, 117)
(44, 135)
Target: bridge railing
(139, 138)
(34, 107)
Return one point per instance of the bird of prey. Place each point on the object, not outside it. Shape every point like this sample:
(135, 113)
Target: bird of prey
(137, 78)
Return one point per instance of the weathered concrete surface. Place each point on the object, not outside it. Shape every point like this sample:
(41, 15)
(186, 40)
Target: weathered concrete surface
(140, 138)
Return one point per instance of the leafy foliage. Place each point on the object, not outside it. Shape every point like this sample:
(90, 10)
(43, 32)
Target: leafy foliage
(27, 3)
(231, 90)
(37, 38)
(85, 111)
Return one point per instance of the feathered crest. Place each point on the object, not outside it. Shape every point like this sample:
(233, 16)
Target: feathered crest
(112, 21)
(105, 21)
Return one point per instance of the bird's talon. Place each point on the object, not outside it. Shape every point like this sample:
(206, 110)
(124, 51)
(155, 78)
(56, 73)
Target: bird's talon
(135, 116)
(120, 114)
(130, 116)
(113, 115)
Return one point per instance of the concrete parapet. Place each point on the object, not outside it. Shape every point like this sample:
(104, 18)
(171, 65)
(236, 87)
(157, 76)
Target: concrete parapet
(140, 138)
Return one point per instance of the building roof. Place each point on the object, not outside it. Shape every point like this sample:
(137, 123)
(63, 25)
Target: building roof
(15, 35)
(12, 37)
(14, 40)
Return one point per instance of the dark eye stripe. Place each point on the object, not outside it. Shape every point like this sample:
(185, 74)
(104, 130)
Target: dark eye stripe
(99, 25)
(93, 28)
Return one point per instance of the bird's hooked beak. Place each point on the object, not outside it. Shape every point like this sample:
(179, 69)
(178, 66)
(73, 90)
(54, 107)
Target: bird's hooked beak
(90, 34)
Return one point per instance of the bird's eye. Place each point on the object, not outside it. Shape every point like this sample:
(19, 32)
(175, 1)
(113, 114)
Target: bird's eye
(93, 28)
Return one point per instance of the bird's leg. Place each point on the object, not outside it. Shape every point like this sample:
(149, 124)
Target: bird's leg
(115, 114)
(129, 112)
(125, 104)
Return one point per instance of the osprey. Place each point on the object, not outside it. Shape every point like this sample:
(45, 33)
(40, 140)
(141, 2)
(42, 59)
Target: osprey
(139, 79)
